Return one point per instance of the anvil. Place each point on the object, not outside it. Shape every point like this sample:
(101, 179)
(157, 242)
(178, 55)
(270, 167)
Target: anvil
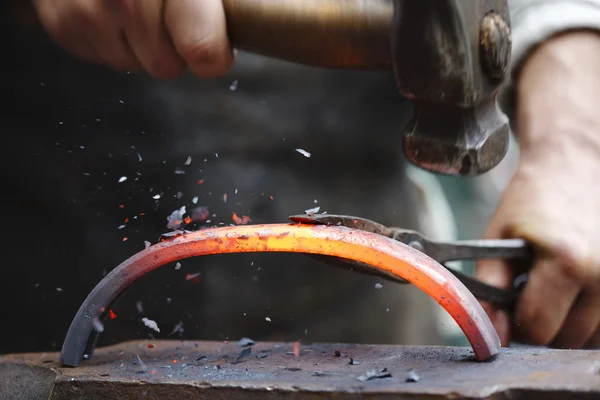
(216, 370)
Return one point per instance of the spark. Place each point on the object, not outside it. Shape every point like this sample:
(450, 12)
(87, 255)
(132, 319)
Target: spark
(303, 152)
(151, 324)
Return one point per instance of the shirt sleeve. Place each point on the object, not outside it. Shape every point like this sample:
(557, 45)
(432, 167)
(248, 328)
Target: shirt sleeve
(534, 21)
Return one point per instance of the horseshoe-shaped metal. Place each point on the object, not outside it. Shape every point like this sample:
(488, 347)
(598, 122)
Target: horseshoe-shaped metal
(386, 257)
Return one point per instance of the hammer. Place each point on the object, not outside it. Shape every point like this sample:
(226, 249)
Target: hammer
(449, 57)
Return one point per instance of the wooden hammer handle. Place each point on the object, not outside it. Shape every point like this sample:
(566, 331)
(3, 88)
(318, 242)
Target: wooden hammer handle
(349, 34)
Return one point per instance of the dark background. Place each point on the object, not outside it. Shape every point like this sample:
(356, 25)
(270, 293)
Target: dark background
(71, 130)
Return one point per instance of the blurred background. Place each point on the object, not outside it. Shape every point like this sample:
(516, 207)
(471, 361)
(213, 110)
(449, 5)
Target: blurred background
(96, 161)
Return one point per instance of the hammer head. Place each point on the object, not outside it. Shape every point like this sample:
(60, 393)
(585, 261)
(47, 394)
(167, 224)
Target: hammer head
(450, 58)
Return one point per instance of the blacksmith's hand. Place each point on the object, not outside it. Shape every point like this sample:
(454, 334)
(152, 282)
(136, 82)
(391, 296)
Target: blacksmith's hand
(163, 37)
(553, 200)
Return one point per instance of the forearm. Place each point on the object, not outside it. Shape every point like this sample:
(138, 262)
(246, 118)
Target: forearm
(533, 23)
(561, 81)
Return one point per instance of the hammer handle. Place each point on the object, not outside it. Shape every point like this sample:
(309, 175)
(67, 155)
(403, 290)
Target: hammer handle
(344, 34)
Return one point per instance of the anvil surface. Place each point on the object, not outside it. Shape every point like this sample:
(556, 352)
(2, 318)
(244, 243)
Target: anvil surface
(171, 369)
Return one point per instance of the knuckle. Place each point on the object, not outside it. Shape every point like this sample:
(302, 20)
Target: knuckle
(166, 69)
(83, 14)
(206, 56)
(577, 264)
(52, 24)
(591, 273)
(64, 23)
(582, 273)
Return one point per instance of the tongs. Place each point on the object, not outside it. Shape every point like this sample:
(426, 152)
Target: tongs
(442, 252)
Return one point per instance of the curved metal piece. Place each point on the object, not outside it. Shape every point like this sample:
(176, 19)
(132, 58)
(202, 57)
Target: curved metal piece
(384, 256)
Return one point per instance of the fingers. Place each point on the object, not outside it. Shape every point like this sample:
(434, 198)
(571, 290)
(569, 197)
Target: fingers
(159, 36)
(582, 323)
(113, 47)
(59, 22)
(199, 33)
(545, 302)
(149, 38)
(89, 30)
(555, 309)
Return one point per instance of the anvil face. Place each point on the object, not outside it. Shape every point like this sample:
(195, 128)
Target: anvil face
(187, 369)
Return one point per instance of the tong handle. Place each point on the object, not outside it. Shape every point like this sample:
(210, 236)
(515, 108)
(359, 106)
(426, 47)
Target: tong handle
(518, 250)
(479, 249)
(352, 34)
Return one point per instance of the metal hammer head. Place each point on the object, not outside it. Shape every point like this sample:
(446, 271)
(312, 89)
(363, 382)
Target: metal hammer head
(450, 58)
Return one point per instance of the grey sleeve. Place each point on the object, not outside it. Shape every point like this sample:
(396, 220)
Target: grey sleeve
(534, 21)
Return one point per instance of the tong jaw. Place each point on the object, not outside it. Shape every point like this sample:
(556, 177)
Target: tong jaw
(362, 224)
(409, 237)
(348, 221)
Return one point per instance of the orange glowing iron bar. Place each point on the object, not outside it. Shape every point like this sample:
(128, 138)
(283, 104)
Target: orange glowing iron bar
(382, 256)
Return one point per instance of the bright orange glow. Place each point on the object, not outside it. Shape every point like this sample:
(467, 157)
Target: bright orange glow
(296, 349)
(386, 256)
(383, 257)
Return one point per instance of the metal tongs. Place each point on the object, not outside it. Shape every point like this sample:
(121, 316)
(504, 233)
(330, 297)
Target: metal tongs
(442, 252)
